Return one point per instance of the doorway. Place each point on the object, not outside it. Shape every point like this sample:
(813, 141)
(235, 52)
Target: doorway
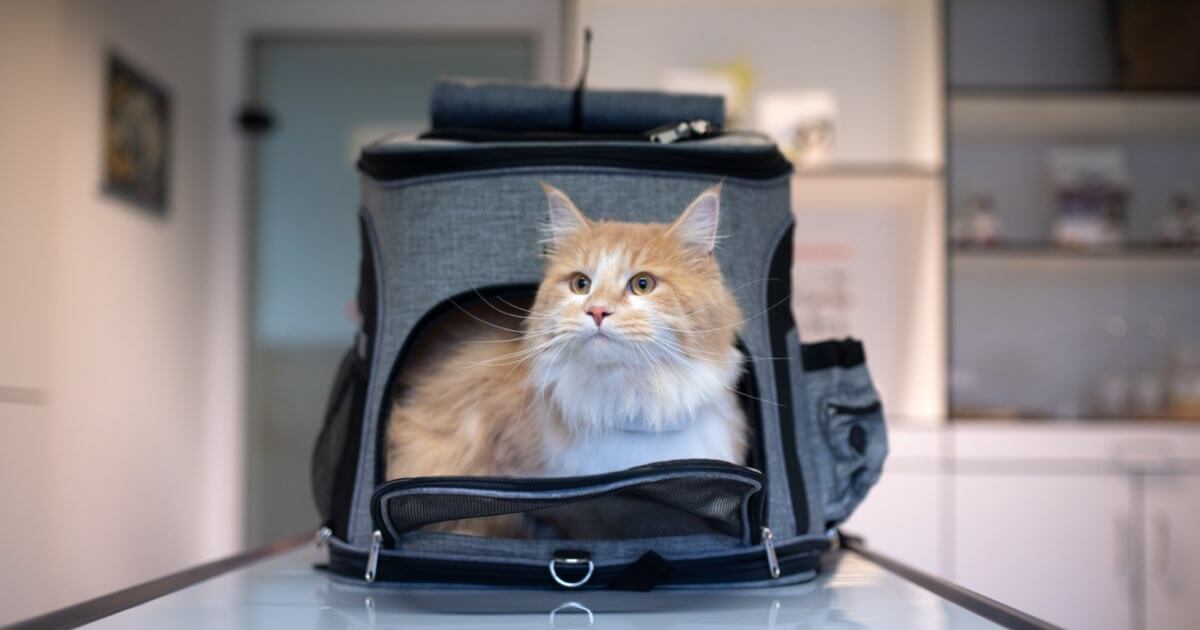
(322, 99)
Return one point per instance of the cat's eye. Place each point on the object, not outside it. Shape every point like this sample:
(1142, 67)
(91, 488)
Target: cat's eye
(642, 283)
(580, 283)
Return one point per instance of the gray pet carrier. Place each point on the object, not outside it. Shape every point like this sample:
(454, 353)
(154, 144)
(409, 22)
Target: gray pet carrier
(450, 218)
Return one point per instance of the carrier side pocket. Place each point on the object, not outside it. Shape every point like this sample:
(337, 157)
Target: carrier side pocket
(335, 455)
(846, 413)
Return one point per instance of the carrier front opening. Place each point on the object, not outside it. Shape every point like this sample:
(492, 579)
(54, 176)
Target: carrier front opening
(506, 307)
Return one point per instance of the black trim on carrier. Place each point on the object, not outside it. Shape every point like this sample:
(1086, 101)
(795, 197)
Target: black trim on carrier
(780, 324)
(765, 162)
(845, 353)
(754, 479)
(747, 566)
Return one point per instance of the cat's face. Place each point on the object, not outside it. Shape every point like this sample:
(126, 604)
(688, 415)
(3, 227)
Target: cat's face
(632, 295)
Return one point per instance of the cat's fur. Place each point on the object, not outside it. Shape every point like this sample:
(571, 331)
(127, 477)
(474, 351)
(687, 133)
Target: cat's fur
(552, 392)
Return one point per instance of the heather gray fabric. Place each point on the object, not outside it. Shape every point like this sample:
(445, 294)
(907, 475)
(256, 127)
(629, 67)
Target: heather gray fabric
(497, 106)
(444, 235)
(435, 237)
(836, 474)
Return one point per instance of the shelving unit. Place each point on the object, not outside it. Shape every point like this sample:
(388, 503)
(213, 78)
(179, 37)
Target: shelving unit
(1031, 322)
(1102, 114)
(1130, 252)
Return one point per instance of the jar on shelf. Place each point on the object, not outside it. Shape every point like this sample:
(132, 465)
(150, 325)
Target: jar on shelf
(1180, 225)
(978, 223)
(1184, 388)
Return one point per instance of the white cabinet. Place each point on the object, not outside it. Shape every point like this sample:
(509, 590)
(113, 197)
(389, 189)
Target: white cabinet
(1086, 526)
(1171, 553)
(1057, 546)
(902, 516)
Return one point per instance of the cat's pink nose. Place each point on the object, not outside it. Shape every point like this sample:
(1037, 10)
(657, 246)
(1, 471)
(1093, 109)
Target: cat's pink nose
(598, 313)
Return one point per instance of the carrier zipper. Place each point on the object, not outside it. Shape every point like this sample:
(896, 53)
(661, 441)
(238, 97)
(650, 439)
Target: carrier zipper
(754, 162)
(772, 559)
(684, 130)
(555, 483)
(373, 556)
(323, 536)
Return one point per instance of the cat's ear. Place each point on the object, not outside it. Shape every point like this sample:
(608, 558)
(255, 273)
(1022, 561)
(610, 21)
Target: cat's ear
(697, 226)
(565, 218)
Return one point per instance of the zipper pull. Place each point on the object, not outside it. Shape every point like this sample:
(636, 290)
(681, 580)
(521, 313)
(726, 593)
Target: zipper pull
(323, 536)
(373, 556)
(772, 560)
(684, 130)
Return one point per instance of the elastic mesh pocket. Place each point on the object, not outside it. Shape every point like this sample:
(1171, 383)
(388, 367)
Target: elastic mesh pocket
(693, 504)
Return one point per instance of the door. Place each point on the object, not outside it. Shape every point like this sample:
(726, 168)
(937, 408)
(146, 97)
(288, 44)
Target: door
(325, 98)
(1058, 546)
(1172, 551)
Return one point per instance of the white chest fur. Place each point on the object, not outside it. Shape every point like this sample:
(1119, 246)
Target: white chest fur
(623, 418)
(712, 434)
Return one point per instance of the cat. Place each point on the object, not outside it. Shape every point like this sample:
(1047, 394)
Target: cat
(626, 356)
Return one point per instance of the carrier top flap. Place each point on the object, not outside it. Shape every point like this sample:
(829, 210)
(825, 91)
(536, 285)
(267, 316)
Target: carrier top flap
(741, 155)
(512, 106)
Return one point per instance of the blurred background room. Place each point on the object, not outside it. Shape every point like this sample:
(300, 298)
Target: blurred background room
(1001, 197)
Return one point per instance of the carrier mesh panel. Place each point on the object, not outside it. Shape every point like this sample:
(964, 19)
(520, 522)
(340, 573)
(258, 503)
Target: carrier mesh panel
(664, 507)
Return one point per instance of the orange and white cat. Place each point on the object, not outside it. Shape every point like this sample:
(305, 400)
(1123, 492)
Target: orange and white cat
(627, 356)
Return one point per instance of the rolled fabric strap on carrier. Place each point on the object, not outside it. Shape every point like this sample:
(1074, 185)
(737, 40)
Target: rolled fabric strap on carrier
(500, 106)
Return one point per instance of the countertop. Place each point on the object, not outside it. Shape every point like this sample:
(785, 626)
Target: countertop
(285, 591)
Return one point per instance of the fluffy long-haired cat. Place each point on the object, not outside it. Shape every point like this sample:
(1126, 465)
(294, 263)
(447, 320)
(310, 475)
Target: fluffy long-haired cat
(626, 356)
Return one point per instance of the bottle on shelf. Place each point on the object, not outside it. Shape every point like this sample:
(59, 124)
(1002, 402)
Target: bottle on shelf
(977, 224)
(1184, 391)
(1090, 186)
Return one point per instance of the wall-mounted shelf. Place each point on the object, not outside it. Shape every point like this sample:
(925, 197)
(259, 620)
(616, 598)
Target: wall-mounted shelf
(1074, 114)
(870, 170)
(1131, 251)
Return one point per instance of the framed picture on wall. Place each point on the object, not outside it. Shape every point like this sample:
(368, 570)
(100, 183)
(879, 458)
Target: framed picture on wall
(137, 134)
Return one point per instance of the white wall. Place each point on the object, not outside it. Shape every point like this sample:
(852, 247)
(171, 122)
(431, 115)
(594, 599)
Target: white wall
(886, 232)
(104, 320)
(25, 297)
(878, 57)
(239, 22)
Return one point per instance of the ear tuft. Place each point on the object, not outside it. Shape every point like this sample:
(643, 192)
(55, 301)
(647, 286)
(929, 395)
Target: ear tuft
(697, 226)
(565, 218)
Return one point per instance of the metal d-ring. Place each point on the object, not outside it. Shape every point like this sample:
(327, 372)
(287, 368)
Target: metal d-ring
(572, 562)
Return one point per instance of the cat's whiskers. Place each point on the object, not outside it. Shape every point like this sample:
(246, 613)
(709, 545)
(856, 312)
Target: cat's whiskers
(523, 352)
(721, 358)
(484, 321)
(734, 389)
(655, 366)
(734, 325)
(483, 298)
(534, 353)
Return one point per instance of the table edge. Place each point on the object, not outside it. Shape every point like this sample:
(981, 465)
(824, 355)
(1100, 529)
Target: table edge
(107, 605)
(982, 605)
(103, 606)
